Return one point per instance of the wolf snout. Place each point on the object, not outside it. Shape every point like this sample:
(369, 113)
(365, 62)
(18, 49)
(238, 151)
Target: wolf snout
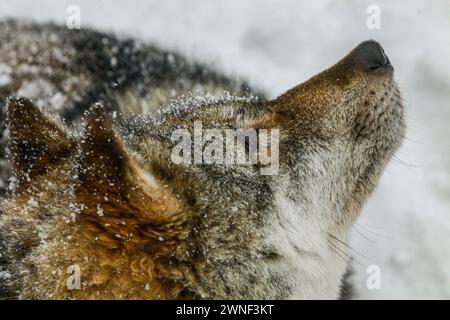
(370, 55)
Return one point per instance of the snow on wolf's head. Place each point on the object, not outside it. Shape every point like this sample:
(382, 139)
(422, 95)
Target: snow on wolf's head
(110, 202)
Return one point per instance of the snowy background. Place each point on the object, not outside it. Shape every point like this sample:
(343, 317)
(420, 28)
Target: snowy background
(405, 227)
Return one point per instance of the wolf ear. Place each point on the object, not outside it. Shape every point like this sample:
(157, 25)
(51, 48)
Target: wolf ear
(133, 216)
(111, 183)
(110, 178)
(104, 165)
(36, 141)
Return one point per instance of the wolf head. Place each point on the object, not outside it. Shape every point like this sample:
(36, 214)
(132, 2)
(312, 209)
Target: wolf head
(110, 202)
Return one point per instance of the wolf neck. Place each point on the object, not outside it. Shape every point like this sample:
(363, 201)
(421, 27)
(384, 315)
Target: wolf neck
(309, 231)
(306, 245)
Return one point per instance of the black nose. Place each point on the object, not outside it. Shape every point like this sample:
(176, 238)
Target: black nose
(370, 55)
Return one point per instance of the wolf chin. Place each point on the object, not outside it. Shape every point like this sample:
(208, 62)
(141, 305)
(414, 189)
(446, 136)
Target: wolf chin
(105, 199)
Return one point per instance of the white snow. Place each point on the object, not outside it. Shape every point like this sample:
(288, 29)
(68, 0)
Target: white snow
(4, 275)
(405, 227)
(5, 79)
(5, 75)
(99, 210)
(32, 202)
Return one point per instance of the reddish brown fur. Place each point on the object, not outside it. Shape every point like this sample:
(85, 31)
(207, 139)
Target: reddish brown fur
(139, 247)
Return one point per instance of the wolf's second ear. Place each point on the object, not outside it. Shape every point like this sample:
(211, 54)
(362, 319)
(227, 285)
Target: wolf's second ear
(111, 179)
(105, 168)
(36, 141)
(103, 163)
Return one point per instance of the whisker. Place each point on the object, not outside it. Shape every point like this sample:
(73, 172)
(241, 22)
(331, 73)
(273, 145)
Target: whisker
(374, 233)
(350, 258)
(410, 165)
(348, 246)
(374, 226)
(368, 239)
(337, 253)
